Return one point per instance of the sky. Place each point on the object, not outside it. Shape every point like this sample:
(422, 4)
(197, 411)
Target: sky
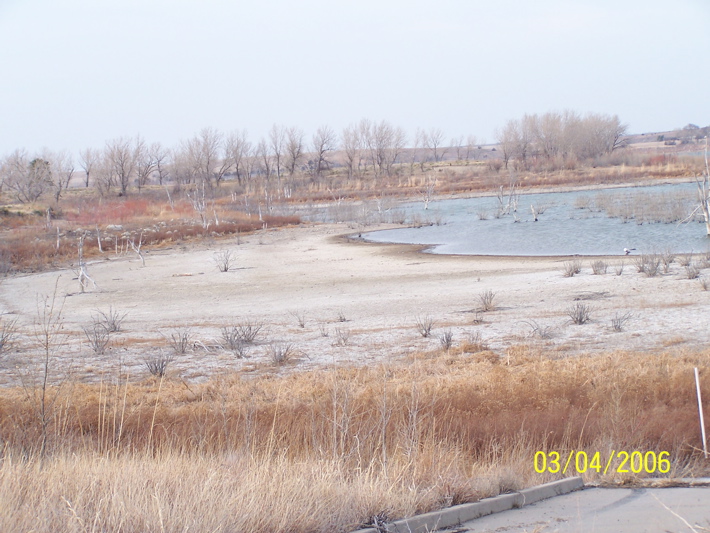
(77, 73)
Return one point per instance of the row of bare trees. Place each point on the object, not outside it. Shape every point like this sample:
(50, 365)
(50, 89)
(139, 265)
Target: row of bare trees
(559, 136)
(286, 154)
(210, 156)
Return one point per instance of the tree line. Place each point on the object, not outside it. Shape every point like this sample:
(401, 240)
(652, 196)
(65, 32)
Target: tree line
(276, 160)
(559, 137)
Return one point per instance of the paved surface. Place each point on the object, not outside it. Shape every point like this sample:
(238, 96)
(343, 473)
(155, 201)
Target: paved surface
(606, 510)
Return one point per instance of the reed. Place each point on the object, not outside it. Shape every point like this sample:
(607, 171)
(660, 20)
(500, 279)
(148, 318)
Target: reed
(328, 450)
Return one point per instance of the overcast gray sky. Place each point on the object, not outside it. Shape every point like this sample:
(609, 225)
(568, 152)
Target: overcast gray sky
(76, 73)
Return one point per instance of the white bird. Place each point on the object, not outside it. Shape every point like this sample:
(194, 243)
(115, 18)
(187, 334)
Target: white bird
(627, 251)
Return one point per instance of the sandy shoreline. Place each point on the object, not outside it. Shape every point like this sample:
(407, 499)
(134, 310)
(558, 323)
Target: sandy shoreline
(318, 273)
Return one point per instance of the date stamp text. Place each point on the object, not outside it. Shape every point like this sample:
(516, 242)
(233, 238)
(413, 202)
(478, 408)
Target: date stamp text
(621, 462)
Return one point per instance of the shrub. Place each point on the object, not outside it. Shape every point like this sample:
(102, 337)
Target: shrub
(538, 330)
(446, 339)
(249, 330)
(158, 364)
(648, 264)
(691, 271)
(571, 268)
(111, 319)
(579, 313)
(98, 336)
(686, 259)
(224, 260)
(424, 325)
(342, 335)
(180, 340)
(300, 317)
(599, 267)
(280, 353)
(237, 336)
(618, 321)
(486, 299)
(667, 258)
(8, 331)
(474, 343)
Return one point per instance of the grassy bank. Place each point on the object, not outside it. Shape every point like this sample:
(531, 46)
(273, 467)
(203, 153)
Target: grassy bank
(330, 449)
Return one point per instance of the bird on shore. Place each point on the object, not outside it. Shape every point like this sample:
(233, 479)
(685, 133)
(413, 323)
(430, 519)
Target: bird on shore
(627, 251)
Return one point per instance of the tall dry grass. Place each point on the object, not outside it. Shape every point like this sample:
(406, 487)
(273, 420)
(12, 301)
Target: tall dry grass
(329, 449)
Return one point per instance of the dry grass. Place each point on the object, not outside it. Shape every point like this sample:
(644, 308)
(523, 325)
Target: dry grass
(327, 450)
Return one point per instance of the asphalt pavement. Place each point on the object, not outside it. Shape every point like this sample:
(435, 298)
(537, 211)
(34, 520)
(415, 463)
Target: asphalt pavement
(617, 510)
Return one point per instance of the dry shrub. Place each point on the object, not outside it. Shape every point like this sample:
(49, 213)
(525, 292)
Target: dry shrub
(8, 333)
(424, 325)
(486, 298)
(280, 353)
(224, 260)
(579, 313)
(158, 364)
(570, 268)
(599, 267)
(619, 320)
(540, 331)
(446, 339)
(98, 337)
(691, 271)
(648, 264)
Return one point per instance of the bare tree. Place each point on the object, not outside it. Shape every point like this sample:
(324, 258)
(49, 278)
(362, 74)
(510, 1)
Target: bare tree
(27, 179)
(277, 140)
(384, 144)
(352, 146)
(458, 144)
(420, 141)
(62, 172)
(121, 161)
(703, 188)
(238, 149)
(507, 140)
(205, 153)
(471, 145)
(432, 141)
(42, 388)
(182, 167)
(294, 149)
(548, 133)
(704, 191)
(324, 141)
(145, 163)
(565, 135)
(161, 157)
(88, 159)
(81, 271)
(264, 159)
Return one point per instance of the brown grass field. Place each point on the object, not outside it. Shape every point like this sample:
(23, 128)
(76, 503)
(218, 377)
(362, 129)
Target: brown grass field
(334, 446)
(330, 449)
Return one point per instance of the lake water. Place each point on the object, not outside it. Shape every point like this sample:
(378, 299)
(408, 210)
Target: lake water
(572, 223)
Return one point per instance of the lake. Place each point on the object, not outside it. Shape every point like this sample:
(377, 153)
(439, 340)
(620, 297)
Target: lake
(596, 222)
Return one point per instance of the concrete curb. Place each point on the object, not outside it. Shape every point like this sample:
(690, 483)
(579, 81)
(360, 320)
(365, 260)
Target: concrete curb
(468, 511)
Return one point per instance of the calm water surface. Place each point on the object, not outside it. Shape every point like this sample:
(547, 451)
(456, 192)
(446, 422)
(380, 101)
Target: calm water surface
(571, 224)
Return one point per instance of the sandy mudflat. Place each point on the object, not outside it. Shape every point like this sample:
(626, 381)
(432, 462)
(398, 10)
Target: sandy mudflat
(318, 273)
